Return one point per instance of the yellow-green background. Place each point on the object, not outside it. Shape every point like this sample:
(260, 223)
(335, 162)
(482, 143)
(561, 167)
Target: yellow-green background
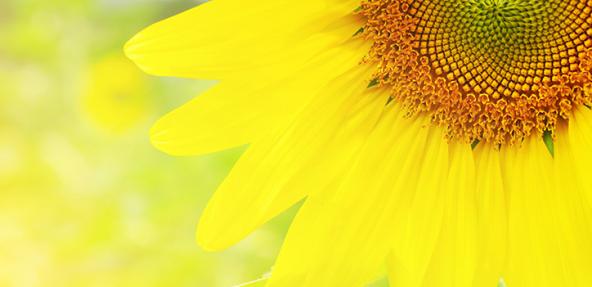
(84, 199)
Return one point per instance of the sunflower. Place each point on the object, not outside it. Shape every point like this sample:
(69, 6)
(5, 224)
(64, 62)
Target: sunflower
(449, 140)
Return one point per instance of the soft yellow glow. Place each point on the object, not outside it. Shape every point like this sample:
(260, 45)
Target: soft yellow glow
(116, 96)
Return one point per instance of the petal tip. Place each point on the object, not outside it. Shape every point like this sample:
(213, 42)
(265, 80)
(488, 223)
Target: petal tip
(130, 48)
(135, 49)
(207, 240)
(160, 140)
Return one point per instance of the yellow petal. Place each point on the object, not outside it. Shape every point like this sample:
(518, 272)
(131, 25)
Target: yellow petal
(545, 221)
(222, 37)
(282, 168)
(580, 144)
(239, 111)
(418, 229)
(492, 217)
(341, 237)
(572, 210)
(454, 259)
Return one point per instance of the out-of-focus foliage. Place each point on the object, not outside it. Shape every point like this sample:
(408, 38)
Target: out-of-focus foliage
(84, 199)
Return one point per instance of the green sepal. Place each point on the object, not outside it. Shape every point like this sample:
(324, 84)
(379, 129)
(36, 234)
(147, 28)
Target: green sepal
(373, 83)
(360, 31)
(548, 139)
(475, 144)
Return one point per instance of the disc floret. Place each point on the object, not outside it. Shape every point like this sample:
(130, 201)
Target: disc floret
(486, 70)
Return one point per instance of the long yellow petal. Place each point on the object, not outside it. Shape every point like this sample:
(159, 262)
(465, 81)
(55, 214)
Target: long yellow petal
(537, 251)
(418, 229)
(282, 168)
(492, 218)
(225, 37)
(454, 259)
(572, 211)
(580, 144)
(239, 111)
(318, 249)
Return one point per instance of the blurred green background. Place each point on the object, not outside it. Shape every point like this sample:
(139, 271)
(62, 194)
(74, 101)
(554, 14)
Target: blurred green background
(84, 199)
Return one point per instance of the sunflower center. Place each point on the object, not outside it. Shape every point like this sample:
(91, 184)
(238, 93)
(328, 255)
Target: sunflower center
(499, 27)
(486, 70)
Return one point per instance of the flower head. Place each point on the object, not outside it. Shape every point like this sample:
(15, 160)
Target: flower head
(418, 134)
(497, 70)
